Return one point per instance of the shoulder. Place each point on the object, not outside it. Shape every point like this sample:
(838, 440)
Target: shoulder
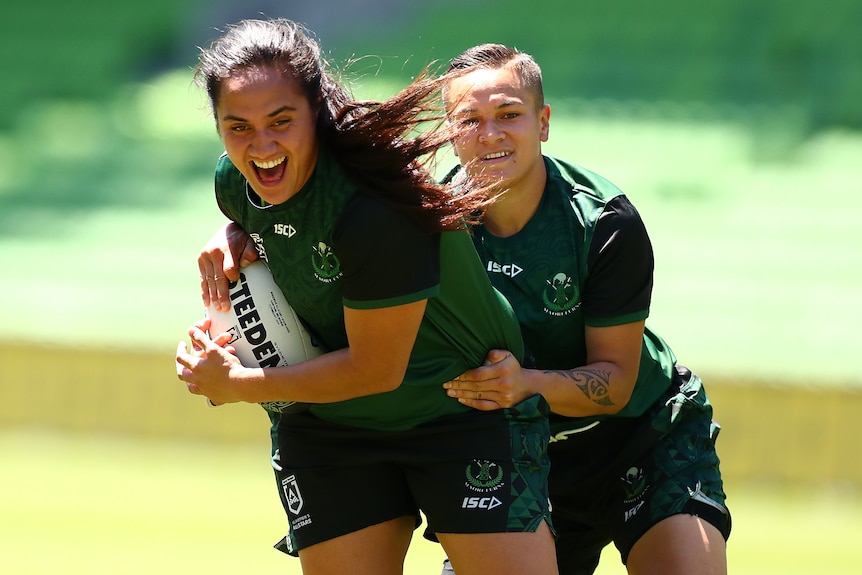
(578, 180)
(226, 174)
(369, 221)
(364, 212)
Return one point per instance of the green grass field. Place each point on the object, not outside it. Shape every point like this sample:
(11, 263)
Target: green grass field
(120, 506)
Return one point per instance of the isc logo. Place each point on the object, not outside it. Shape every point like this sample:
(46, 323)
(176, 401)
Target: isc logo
(510, 270)
(284, 230)
(480, 503)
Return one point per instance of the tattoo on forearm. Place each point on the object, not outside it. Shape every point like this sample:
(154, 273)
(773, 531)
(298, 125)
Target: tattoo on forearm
(593, 382)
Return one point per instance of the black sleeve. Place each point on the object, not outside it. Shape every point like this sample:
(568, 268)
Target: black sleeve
(618, 287)
(384, 254)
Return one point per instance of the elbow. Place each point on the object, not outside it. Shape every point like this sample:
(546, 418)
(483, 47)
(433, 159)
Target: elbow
(390, 384)
(619, 401)
(621, 394)
(383, 382)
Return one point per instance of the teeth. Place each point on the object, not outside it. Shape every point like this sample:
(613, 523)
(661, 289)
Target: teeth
(270, 164)
(497, 155)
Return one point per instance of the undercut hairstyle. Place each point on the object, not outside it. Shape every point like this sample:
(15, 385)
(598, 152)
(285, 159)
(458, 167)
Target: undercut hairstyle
(387, 148)
(496, 56)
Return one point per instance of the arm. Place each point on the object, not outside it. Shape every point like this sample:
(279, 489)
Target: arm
(217, 263)
(375, 361)
(602, 386)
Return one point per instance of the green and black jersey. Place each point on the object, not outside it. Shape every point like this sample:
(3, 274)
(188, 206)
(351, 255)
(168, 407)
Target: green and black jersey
(583, 259)
(331, 246)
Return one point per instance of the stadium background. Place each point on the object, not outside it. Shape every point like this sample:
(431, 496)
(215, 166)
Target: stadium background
(734, 126)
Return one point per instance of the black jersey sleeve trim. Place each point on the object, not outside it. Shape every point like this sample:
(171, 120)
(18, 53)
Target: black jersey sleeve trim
(386, 258)
(618, 287)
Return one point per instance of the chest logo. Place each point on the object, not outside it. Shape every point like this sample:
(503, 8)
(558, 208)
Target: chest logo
(510, 270)
(327, 266)
(560, 295)
(284, 230)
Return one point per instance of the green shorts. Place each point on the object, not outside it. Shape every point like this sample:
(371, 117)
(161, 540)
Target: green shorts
(613, 482)
(477, 472)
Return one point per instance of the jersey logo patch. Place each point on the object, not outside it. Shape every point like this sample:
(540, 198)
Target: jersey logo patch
(292, 494)
(561, 295)
(484, 476)
(327, 267)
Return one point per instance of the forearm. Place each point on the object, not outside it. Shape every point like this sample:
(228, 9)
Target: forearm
(596, 389)
(329, 378)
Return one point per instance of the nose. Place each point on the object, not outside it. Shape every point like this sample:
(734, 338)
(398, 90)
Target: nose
(490, 132)
(263, 143)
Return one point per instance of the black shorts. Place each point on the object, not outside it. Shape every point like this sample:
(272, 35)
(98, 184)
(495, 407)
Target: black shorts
(613, 482)
(476, 472)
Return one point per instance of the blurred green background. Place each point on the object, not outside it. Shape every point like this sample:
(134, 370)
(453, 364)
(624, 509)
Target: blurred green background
(735, 127)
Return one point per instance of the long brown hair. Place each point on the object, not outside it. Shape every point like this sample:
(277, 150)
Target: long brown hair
(385, 147)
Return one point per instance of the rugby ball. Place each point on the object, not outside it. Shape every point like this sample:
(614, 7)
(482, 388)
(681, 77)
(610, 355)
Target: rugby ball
(264, 329)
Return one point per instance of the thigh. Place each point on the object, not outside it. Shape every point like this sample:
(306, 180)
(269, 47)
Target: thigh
(501, 553)
(376, 550)
(679, 545)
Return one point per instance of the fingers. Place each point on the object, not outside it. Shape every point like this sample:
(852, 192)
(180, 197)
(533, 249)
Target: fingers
(213, 280)
(212, 261)
(480, 404)
(239, 244)
(201, 340)
(249, 254)
(185, 364)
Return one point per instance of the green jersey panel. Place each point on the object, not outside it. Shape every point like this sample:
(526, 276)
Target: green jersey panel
(543, 271)
(465, 316)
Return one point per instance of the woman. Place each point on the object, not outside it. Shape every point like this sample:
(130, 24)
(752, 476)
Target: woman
(371, 253)
(632, 453)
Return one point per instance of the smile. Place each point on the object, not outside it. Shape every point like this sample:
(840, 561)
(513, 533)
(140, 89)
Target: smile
(270, 164)
(495, 156)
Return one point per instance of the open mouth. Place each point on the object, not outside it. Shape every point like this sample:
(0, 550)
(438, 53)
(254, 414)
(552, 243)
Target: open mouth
(270, 172)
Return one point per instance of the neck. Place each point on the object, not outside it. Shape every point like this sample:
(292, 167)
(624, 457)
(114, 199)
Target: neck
(515, 206)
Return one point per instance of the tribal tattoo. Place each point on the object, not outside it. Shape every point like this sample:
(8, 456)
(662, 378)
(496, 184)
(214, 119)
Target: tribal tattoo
(593, 382)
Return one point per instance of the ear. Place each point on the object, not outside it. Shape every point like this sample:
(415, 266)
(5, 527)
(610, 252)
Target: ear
(545, 122)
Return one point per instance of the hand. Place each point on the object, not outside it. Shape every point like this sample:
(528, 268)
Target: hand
(499, 383)
(217, 263)
(208, 368)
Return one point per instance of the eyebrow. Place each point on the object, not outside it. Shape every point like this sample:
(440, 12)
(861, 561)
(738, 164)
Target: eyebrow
(506, 104)
(272, 114)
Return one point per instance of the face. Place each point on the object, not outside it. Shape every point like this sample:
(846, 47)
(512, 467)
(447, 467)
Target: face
(506, 128)
(268, 129)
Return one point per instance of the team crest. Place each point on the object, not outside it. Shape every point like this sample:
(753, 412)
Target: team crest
(560, 295)
(292, 494)
(484, 476)
(634, 483)
(327, 266)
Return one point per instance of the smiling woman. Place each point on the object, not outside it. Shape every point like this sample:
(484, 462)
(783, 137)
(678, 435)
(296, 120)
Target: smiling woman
(268, 128)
